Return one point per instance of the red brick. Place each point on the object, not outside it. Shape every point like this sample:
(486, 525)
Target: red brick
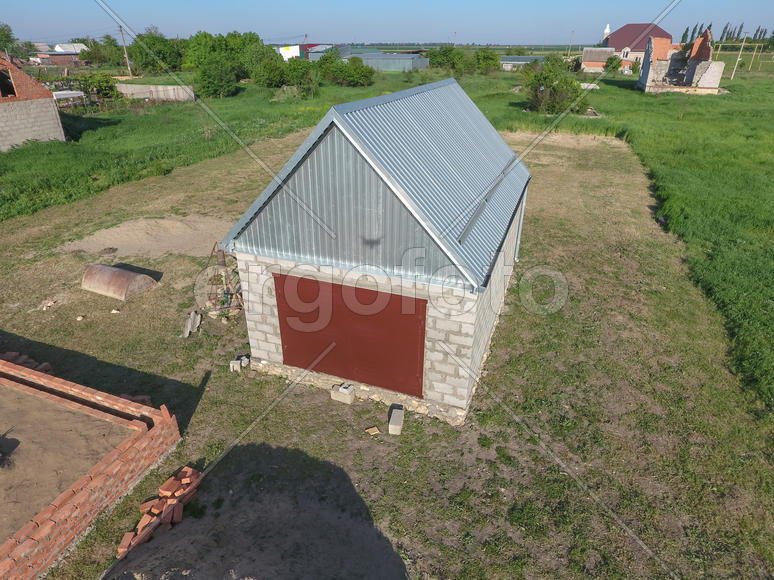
(23, 549)
(6, 547)
(81, 483)
(158, 506)
(147, 505)
(126, 541)
(81, 499)
(63, 513)
(25, 531)
(144, 521)
(45, 514)
(63, 498)
(44, 530)
(177, 513)
(165, 412)
(129, 455)
(6, 568)
(169, 487)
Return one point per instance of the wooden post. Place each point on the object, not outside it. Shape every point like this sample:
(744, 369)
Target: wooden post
(752, 60)
(126, 54)
(739, 57)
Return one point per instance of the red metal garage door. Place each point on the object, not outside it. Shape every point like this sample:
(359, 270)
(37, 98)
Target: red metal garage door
(379, 337)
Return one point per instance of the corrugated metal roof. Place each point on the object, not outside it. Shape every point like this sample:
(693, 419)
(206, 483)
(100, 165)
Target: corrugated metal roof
(441, 157)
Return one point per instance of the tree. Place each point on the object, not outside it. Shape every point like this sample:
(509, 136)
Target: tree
(104, 51)
(693, 32)
(636, 68)
(328, 62)
(684, 39)
(447, 57)
(487, 60)
(613, 64)
(216, 77)
(7, 39)
(200, 46)
(271, 73)
(296, 71)
(151, 51)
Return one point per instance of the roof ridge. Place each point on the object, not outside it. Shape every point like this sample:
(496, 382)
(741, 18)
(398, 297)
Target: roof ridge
(344, 108)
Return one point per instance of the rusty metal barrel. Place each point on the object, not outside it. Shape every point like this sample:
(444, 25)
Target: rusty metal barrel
(115, 282)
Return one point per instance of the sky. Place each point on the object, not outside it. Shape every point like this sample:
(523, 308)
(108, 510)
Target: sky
(492, 22)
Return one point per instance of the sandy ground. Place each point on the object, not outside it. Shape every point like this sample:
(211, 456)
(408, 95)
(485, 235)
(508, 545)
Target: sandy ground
(192, 235)
(52, 447)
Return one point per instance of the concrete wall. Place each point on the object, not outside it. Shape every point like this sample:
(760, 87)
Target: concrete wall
(458, 330)
(156, 92)
(33, 120)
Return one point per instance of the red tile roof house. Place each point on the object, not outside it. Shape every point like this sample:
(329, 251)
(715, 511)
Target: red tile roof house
(631, 40)
(27, 109)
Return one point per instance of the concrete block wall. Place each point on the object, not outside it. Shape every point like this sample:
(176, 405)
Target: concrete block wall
(458, 328)
(59, 526)
(28, 120)
(156, 92)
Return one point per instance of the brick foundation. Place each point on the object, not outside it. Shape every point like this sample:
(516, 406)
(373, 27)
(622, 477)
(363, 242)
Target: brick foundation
(59, 526)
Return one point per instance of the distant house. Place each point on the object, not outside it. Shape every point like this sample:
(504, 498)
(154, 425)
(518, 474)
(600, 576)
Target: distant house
(41, 46)
(385, 61)
(76, 47)
(630, 41)
(54, 58)
(594, 59)
(27, 109)
(508, 62)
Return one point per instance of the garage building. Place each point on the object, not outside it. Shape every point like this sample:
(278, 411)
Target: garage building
(381, 253)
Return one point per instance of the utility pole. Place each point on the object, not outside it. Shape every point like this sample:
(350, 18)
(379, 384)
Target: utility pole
(739, 57)
(455, 38)
(126, 54)
(569, 48)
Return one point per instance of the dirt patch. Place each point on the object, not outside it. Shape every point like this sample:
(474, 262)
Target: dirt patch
(50, 448)
(192, 235)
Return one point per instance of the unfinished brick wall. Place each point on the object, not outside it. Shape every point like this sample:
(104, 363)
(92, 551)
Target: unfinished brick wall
(458, 329)
(38, 544)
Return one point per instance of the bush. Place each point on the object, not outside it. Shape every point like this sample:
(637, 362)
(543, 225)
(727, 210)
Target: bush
(487, 60)
(216, 77)
(613, 64)
(102, 84)
(552, 88)
(271, 73)
(636, 68)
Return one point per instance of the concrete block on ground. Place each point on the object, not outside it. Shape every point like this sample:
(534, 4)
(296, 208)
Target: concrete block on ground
(344, 393)
(235, 366)
(396, 419)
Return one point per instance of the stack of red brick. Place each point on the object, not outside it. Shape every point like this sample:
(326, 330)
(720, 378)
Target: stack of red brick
(165, 510)
(25, 361)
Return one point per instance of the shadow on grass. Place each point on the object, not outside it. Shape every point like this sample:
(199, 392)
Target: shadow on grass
(182, 399)
(620, 83)
(75, 125)
(269, 512)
